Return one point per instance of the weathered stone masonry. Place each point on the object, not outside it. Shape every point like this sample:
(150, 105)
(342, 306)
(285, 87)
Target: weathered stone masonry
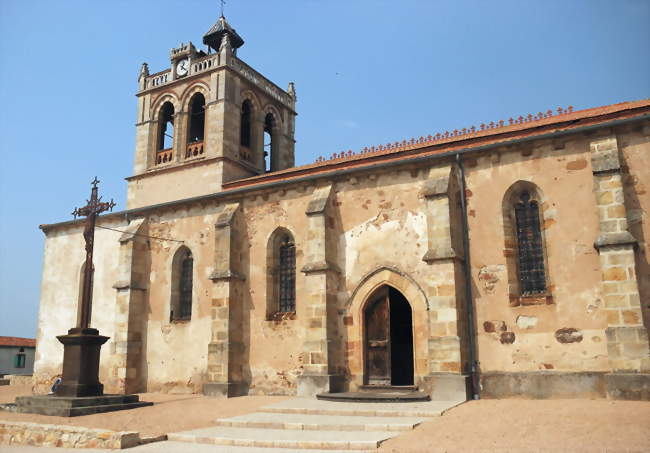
(627, 338)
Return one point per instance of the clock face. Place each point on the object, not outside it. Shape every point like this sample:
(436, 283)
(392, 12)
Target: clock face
(182, 67)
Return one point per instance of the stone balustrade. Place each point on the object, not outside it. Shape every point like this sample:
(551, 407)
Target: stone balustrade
(164, 156)
(194, 150)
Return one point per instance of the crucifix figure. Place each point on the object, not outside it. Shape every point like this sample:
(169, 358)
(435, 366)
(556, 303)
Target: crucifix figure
(81, 346)
(93, 208)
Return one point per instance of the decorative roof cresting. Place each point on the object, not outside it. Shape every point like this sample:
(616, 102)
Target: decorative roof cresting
(447, 135)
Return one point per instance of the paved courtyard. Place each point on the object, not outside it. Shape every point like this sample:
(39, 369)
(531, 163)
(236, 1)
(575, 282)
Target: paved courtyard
(513, 425)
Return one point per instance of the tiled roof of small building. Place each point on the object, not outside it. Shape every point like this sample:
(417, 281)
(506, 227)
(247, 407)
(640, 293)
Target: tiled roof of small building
(17, 341)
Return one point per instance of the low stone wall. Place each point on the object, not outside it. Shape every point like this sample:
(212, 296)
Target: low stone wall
(22, 433)
(19, 379)
(549, 385)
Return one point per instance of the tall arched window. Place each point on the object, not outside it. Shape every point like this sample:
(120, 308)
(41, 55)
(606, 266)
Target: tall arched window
(525, 249)
(164, 151)
(181, 281)
(530, 248)
(245, 124)
(281, 263)
(269, 129)
(197, 119)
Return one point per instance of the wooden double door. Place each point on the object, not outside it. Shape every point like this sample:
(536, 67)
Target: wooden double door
(388, 339)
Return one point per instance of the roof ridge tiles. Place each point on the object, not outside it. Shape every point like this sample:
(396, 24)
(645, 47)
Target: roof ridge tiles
(519, 124)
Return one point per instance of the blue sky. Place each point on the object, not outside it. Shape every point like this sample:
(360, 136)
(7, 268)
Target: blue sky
(367, 72)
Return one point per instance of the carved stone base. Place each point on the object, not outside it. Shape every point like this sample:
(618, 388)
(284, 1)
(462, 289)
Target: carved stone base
(81, 349)
(225, 389)
(310, 385)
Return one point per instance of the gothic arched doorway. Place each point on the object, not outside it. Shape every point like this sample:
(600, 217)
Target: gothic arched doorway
(388, 339)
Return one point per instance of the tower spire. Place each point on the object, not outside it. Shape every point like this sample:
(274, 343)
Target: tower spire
(214, 36)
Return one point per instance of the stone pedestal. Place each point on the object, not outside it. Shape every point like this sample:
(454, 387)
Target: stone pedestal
(310, 385)
(81, 349)
(447, 386)
(225, 389)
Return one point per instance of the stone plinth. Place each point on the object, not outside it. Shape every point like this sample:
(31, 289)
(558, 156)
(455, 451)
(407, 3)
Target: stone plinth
(63, 406)
(81, 363)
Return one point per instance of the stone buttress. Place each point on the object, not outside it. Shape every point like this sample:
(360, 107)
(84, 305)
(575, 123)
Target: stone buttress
(447, 317)
(627, 338)
(321, 282)
(125, 375)
(226, 347)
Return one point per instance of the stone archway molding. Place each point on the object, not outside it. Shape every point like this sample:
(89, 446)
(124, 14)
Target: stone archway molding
(391, 276)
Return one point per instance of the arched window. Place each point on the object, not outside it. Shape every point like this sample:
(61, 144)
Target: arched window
(287, 277)
(269, 145)
(281, 288)
(166, 127)
(245, 124)
(197, 119)
(525, 249)
(530, 248)
(182, 279)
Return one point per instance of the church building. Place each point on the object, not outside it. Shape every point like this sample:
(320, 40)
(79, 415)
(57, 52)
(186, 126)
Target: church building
(505, 259)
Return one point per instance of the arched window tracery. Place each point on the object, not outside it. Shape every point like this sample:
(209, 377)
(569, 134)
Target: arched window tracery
(530, 248)
(525, 245)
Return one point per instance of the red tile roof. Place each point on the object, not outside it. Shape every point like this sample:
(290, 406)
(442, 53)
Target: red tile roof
(17, 341)
(486, 134)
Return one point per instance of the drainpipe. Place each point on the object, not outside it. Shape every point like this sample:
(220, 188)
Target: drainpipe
(471, 329)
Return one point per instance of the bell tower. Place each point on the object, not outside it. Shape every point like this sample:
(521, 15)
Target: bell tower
(208, 119)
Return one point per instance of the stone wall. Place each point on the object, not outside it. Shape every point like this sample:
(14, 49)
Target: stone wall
(528, 335)
(22, 433)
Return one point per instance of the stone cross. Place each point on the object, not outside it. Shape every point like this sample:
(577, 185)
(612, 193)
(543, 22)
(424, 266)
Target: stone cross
(93, 208)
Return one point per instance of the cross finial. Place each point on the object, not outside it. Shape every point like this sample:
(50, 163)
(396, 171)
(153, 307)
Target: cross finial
(94, 182)
(223, 2)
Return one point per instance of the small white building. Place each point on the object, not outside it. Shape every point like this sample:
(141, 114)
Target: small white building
(17, 355)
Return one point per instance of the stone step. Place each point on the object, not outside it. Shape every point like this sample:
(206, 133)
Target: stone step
(71, 401)
(184, 447)
(267, 420)
(392, 388)
(77, 411)
(376, 396)
(319, 407)
(283, 438)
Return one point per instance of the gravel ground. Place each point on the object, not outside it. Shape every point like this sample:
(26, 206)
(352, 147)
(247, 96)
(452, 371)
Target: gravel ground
(513, 425)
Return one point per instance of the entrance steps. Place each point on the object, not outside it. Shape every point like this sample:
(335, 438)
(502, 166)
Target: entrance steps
(308, 425)
(306, 422)
(379, 394)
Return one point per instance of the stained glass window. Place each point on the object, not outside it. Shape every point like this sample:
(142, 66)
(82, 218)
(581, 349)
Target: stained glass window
(532, 278)
(287, 275)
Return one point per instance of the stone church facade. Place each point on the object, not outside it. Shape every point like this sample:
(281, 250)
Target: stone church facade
(507, 259)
